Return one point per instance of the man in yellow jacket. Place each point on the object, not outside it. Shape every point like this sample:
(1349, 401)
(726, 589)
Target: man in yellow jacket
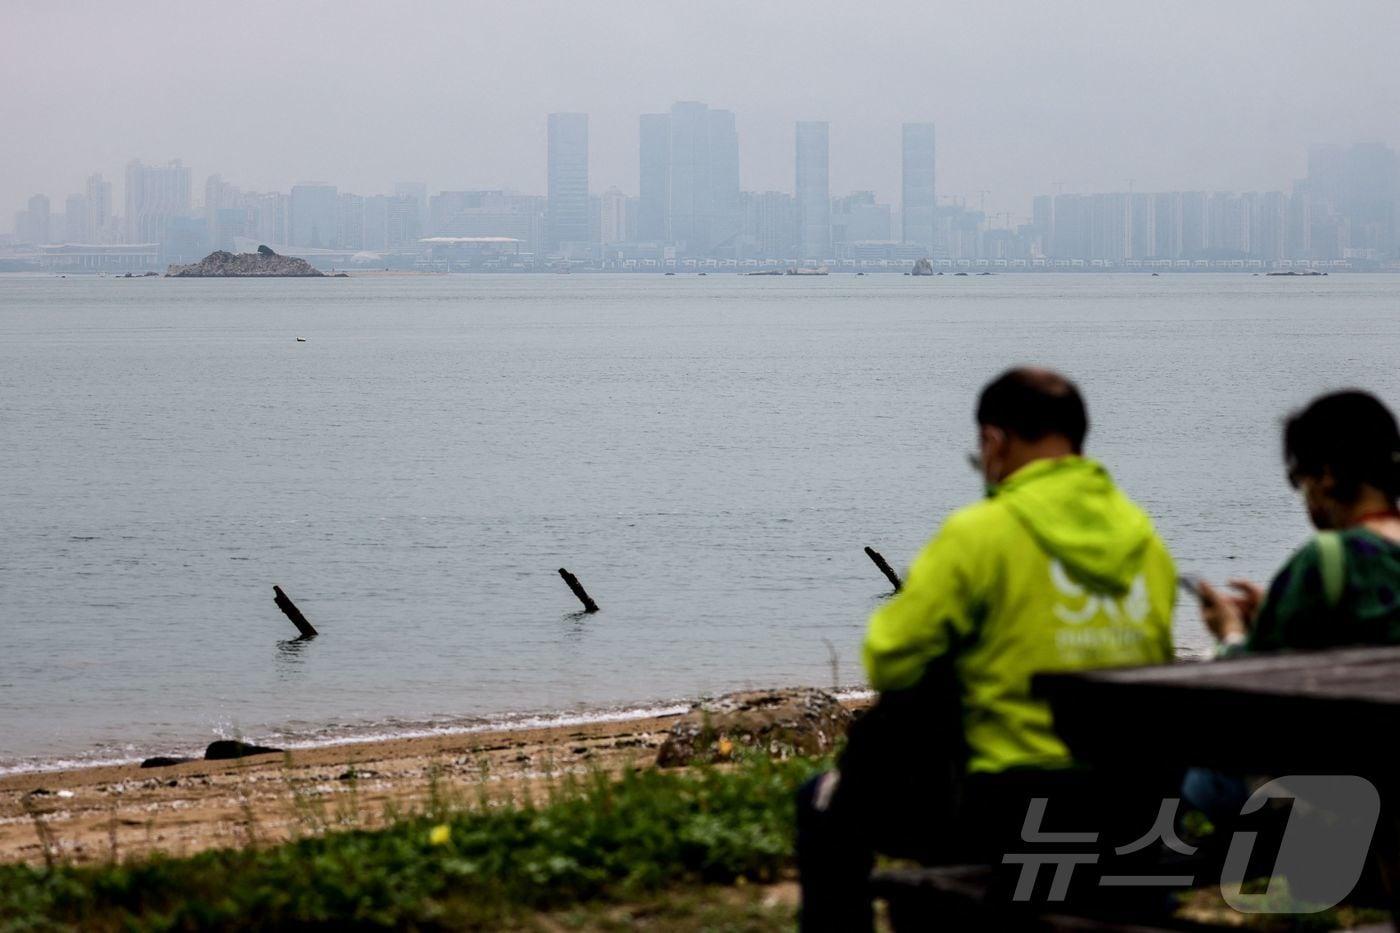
(1054, 570)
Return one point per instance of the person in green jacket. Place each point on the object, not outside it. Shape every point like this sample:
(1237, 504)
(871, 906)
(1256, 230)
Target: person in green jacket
(1055, 570)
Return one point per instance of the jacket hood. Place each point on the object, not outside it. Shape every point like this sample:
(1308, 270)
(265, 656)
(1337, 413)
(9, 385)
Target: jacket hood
(1074, 511)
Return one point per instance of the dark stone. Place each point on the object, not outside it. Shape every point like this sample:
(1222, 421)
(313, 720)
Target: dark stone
(225, 749)
(164, 761)
(266, 251)
(223, 264)
(802, 721)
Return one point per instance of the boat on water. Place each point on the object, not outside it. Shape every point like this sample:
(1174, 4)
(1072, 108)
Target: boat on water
(766, 272)
(803, 270)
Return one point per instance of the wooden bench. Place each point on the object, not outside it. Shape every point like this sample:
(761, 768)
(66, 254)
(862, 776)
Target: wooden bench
(1325, 712)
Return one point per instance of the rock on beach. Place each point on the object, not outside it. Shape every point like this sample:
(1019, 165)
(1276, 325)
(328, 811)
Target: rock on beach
(802, 720)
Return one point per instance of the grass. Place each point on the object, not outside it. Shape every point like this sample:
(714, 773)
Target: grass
(689, 850)
(456, 865)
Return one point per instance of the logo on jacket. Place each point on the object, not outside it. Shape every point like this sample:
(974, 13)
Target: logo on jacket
(1078, 605)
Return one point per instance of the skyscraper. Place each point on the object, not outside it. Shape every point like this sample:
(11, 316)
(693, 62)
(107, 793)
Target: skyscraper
(614, 217)
(98, 192)
(418, 190)
(75, 215)
(567, 214)
(39, 231)
(654, 187)
(772, 224)
(813, 191)
(918, 206)
(688, 177)
(726, 220)
(155, 195)
(314, 211)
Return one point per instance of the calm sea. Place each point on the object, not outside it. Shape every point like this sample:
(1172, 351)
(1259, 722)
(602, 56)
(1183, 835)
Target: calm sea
(709, 456)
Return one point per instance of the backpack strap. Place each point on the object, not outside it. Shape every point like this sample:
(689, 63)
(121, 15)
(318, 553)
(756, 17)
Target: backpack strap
(1332, 564)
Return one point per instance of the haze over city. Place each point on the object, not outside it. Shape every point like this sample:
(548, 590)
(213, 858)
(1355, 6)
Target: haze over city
(1028, 98)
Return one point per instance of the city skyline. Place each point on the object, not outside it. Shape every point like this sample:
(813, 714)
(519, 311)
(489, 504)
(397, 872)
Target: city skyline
(1089, 94)
(653, 186)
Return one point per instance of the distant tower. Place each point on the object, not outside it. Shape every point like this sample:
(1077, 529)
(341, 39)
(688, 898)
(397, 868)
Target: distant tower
(613, 222)
(314, 215)
(653, 211)
(39, 231)
(155, 195)
(725, 207)
(813, 191)
(688, 181)
(918, 206)
(567, 212)
(98, 194)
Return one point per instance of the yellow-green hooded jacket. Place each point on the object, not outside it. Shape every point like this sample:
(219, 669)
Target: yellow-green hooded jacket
(1056, 570)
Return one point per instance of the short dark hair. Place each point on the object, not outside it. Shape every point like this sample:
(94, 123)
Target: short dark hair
(1350, 434)
(1034, 403)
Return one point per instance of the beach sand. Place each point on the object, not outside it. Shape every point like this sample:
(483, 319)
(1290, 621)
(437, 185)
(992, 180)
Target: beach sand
(90, 814)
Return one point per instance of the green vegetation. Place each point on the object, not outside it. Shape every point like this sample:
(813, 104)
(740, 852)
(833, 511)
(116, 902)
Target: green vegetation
(453, 867)
(652, 850)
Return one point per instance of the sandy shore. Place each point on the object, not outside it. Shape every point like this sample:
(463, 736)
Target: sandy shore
(87, 814)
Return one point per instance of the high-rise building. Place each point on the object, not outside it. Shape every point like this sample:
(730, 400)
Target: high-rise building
(270, 218)
(1195, 225)
(858, 218)
(222, 209)
(155, 195)
(700, 211)
(726, 220)
(98, 195)
(919, 204)
(813, 191)
(1142, 226)
(614, 217)
(484, 213)
(350, 221)
(418, 191)
(567, 215)
(1370, 199)
(1268, 223)
(1043, 223)
(1072, 236)
(75, 218)
(314, 213)
(1166, 225)
(401, 229)
(771, 225)
(376, 235)
(1108, 227)
(40, 223)
(688, 178)
(654, 188)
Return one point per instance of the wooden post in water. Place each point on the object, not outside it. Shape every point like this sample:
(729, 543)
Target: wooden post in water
(885, 568)
(588, 604)
(290, 610)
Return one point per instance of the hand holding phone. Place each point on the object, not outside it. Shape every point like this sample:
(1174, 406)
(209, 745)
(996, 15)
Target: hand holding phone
(1192, 584)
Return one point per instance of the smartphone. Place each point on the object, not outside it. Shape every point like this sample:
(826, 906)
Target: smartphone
(1191, 584)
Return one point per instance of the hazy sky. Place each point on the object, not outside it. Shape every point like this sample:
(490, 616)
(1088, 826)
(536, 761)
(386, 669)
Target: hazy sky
(1181, 94)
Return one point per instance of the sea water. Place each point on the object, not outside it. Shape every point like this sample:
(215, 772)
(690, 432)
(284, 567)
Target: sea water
(708, 454)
